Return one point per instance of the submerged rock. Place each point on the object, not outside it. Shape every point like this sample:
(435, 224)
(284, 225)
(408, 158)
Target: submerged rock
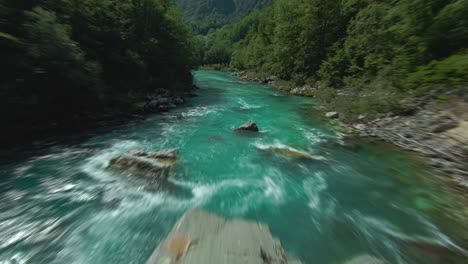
(365, 259)
(286, 151)
(202, 237)
(249, 126)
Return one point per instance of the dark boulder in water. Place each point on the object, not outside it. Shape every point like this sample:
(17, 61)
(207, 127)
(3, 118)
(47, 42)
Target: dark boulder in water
(140, 166)
(166, 156)
(249, 126)
(153, 166)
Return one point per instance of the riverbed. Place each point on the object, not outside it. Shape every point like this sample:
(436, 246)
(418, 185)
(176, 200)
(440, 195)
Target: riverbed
(338, 199)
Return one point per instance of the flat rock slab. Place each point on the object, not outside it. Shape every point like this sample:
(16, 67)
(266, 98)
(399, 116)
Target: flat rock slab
(214, 240)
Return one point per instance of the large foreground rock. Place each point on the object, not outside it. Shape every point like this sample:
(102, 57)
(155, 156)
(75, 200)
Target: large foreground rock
(201, 237)
(249, 126)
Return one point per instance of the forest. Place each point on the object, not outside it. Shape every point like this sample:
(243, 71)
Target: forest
(385, 49)
(66, 60)
(206, 15)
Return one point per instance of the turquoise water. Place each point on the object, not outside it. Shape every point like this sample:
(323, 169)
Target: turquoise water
(59, 204)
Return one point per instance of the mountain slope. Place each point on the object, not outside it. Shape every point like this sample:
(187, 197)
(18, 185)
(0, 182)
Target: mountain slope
(211, 14)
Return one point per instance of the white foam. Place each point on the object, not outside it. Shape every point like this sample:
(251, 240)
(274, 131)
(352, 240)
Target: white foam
(245, 105)
(278, 145)
(273, 190)
(313, 187)
(200, 111)
(96, 165)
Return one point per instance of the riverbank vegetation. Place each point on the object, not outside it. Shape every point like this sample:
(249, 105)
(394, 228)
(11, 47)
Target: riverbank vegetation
(67, 59)
(361, 56)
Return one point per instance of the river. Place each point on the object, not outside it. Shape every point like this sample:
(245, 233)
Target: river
(59, 203)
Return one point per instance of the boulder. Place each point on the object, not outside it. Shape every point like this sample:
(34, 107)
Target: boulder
(249, 126)
(165, 156)
(202, 237)
(153, 166)
(149, 169)
(332, 115)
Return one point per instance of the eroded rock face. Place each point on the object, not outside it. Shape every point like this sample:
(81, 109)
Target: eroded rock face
(202, 237)
(249, 126)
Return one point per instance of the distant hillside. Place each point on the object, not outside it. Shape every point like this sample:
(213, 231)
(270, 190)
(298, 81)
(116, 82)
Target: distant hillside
(211, 14)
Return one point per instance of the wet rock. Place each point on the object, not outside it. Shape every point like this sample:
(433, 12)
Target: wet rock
(249, 126)
(165, 156)
(142, 167)
(365, 259)
(202, 237)
(332, 115)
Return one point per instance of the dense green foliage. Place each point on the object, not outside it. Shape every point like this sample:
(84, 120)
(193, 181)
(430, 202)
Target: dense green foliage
(204, 15)
(62, 57)
(388, 46)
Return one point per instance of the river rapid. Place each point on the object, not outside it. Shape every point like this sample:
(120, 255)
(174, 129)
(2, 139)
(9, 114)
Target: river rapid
(60, 204)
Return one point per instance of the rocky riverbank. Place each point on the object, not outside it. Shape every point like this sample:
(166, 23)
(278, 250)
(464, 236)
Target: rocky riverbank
(437, 130)
(303, 90)
(131, 107)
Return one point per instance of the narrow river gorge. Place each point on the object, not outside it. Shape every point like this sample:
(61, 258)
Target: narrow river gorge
(60, 203)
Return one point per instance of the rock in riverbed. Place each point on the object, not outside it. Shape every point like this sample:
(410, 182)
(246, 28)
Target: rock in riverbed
(154, 166)
(201, 237)
(249, 126)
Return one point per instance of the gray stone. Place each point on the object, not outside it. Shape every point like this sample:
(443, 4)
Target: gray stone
(201, 237)
(332, 115)
(249, 126)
